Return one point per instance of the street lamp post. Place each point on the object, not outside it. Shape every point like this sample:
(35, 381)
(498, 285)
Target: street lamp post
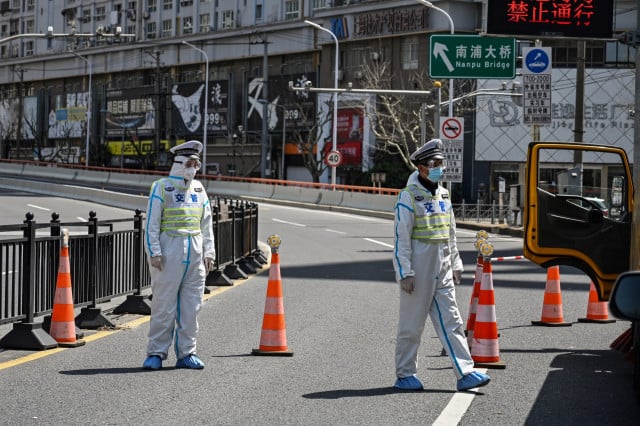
(86, 148)
(432, 6)
(206, 104)
(334, 136)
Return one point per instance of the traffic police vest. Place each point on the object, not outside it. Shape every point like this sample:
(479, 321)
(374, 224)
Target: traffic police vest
(432, 216)
(183, 208)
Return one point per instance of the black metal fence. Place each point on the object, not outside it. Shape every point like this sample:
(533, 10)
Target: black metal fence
(105, 263)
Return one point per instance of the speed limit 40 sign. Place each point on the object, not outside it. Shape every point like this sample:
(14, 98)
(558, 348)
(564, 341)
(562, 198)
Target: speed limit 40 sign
(333, 158)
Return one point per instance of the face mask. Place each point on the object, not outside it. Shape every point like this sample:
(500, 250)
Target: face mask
(435, 174)
(189, 173)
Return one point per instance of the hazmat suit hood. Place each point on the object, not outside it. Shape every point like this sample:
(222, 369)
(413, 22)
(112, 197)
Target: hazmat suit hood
(186, 151)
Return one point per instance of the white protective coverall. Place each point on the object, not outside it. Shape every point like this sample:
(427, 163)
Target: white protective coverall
(179, 229)
(432, 264)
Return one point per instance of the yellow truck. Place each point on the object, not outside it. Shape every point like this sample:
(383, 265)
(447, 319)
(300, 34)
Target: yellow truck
(578, 211)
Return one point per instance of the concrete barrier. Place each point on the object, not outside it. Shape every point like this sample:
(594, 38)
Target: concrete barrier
(296, 193)
(330, 198)
(375, 202)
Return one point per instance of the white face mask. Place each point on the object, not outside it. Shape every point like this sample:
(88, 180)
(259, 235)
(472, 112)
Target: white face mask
(189, 173)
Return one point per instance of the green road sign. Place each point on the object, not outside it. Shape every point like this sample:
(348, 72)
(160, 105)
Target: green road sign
(472, 56)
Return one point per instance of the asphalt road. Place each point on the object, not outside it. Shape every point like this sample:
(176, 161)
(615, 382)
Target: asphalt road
(341, 313)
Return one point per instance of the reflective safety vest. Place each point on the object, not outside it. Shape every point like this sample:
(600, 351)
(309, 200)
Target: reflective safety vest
(183, 208)
(432, 215)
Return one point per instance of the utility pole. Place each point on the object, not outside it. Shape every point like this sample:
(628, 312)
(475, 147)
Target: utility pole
(158, 89)
(265, 168)
(20, 73)
(635, 217)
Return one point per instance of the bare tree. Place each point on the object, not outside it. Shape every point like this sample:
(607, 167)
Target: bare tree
(396, 121)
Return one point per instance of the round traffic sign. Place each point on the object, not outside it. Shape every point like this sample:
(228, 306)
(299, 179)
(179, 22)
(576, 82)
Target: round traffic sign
(537, 61)
(451, 128)
(333, 158)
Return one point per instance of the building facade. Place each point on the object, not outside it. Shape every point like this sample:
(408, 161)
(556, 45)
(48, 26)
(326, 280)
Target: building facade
(127, 79)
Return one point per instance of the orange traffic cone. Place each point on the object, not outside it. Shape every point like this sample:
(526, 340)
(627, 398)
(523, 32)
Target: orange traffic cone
(552, 304)
(63, 326)
(273, 338)
(597, 311)
(473, 305)
(485, 349)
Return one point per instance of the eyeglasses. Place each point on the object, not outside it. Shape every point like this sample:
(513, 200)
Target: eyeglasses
(434, 163)
(191, 163)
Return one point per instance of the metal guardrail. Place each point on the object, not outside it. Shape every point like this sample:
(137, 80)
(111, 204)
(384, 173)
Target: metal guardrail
(105, 263)
(489, 213)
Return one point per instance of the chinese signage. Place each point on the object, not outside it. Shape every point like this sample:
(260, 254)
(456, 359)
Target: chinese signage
(609, 99)
(470, 56)
(350, 132)
(452, 135)
(563, 18)
(392, 21)
(130, 112)
(536, 80)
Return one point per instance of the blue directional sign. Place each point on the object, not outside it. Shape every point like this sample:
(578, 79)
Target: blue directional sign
(537, 61)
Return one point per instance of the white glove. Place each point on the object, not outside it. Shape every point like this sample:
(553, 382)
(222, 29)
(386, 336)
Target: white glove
(156, 262)
(457, 277)
(209, 264)
(407, 283)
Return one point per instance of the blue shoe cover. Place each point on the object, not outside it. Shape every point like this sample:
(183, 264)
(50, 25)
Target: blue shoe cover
(408, 383)
(473, 380)
(191, 362)
(153, 362)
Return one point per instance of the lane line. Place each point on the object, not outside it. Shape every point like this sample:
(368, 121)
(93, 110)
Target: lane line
(457, 406)
(334, 231)
(39, 207)
(289, 223)
(371, 240)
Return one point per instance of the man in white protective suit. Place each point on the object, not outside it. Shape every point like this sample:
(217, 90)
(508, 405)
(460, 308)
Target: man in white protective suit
(180, 249)
(427, 264)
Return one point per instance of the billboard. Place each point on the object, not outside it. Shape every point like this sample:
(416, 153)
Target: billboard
(562, 18)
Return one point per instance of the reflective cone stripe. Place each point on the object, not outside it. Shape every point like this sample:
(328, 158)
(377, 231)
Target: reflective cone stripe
(597, 311)
(473, 305)
(273, 337)
(485, 347)
(63, 327)
(552, 302)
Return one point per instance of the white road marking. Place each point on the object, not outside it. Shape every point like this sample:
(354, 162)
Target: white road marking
(38, 207)
(289, 223)
(371, 240)
(457, 406)
(333, 230)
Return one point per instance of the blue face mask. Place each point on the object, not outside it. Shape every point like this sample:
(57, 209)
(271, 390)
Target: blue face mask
(435, 174)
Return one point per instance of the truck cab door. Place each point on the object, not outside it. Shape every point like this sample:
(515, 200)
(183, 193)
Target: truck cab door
(578, 208)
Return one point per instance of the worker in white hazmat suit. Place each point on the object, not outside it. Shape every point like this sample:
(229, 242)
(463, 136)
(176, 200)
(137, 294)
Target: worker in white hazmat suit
(427, 263)
(180, 249)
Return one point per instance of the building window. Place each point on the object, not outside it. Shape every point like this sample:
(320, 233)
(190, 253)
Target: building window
(151, 30)
(167, 28)
(258, 12)
(100, 13)
(320, 4)
(30, 4)
(86, 15)
(28, 48)
(227, 20)
(291, 9)
(205, 23)
(29, 25)
(409, 49)
(153, 5)
(167, 4)
(187, 25)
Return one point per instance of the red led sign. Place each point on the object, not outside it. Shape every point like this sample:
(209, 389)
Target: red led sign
(564, 18)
